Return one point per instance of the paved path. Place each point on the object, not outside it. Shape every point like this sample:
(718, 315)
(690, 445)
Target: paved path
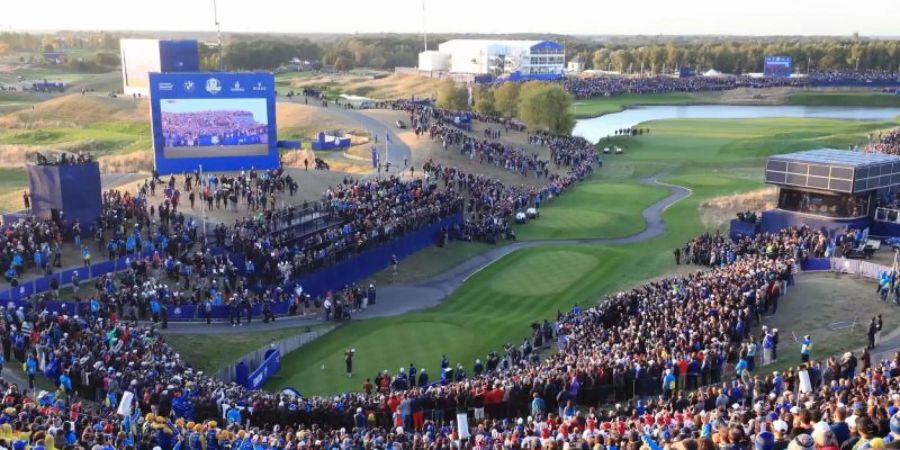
(398, 299)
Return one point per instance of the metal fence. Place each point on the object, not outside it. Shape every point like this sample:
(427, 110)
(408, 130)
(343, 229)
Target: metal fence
(256, 357)
(858, 267)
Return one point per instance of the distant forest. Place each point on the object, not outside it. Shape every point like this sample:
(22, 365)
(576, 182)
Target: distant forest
(98, 51)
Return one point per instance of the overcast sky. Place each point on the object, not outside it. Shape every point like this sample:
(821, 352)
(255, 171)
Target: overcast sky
(744, 17)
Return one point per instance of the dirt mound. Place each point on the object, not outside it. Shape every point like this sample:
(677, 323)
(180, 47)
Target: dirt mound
(770, 96)
(75, 110)
(127, 163)
(719, 210)
(389, 87)
(297, 120)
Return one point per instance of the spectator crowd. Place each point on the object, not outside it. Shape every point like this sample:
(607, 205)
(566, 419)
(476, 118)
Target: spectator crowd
(678, 357)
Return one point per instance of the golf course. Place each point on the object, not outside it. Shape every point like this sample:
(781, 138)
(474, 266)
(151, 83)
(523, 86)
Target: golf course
(711, 157)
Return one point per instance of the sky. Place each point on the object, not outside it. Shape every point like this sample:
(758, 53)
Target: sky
(734, 17)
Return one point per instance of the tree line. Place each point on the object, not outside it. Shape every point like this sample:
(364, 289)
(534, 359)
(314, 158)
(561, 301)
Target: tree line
(629, 54)
(540, 106)
(743, 56)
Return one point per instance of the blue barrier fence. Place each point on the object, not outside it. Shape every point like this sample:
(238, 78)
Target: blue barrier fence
(257, 378)
(816, 264)
(332, 278)
(42, 284)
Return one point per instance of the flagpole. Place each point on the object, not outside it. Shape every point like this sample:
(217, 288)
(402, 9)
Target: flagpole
(387, 152)
(202, 199)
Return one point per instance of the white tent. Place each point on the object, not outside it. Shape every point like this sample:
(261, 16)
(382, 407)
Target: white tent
(713, 73)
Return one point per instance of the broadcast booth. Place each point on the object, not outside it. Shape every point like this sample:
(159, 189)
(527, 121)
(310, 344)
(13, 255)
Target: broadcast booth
(65, 190)
(829, 189)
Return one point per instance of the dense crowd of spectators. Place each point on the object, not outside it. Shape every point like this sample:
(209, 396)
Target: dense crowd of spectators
(607, 86)
(887, 142)
(679, 355)
(853, 77)
(363, 214)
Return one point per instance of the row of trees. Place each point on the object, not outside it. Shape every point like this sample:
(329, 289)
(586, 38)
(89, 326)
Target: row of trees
(619, 53)
(745, 56)
(260, 54)
(540, 106)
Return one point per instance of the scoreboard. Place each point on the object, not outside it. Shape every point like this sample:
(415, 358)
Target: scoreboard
(778, 66)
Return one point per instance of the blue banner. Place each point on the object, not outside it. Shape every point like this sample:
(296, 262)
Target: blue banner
(258, 377)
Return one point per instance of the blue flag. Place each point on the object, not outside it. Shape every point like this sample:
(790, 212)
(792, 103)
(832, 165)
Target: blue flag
(374, 157)
(387, 137)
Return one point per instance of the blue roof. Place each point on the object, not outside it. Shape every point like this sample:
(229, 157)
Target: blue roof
(837, 157)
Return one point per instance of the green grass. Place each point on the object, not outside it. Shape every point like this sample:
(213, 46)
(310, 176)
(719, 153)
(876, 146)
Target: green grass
(204, 351)
(109, 137)
(430, 262)
(598, 209)
(496, 306)
(869, 99)
(603, 105)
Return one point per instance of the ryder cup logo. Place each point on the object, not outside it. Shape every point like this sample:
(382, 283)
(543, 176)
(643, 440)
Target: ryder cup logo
(213, 86)
(189, 86)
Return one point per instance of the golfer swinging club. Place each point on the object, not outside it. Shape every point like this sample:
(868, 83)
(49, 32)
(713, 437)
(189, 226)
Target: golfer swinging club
(348, 358)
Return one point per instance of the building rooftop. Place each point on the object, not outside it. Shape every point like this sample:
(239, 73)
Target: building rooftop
(838, 171)
(837, 157)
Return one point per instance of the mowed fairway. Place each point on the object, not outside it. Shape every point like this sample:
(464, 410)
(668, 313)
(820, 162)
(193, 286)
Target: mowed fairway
(497, 305)
(597, 209)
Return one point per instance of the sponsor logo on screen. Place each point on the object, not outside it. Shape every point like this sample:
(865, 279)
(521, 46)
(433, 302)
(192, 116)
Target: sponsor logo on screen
(189, 86)
(166, 86)
(213, 86)
(259, 86)
(237, 87)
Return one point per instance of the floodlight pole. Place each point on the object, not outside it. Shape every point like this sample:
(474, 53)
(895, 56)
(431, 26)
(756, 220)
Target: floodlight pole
(218, 35)
(424, 27)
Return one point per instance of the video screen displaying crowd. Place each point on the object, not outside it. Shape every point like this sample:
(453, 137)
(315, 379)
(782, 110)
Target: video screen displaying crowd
(211, 128)
(680, 357)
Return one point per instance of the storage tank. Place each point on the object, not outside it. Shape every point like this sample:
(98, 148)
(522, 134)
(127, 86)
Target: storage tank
(434, 61)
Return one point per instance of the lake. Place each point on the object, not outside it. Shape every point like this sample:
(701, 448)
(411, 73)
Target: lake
(597, 128)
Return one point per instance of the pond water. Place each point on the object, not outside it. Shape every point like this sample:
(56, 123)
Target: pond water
(597, 128)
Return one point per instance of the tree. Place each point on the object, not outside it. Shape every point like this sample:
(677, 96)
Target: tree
(484, 99)
(506, 99)
(449, 96)
(546, 107)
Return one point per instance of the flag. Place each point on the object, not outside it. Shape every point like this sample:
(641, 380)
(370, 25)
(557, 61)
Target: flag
(374, 157)
(387, 137)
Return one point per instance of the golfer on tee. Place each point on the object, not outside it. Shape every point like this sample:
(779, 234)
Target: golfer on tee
(348, 358)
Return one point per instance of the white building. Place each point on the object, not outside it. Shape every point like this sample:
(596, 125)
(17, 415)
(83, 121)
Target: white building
(434, 61)
(525, 59)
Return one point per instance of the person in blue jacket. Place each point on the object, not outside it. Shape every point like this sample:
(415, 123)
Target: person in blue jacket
(31, 368)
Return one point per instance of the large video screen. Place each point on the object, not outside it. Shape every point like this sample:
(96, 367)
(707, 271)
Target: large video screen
(220, 121)
(196, 128)
(778, 66)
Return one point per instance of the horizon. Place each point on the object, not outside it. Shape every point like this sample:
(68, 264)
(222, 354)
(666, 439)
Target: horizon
(763, 18)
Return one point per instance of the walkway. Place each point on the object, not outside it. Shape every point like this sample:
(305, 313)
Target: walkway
(394, 299)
